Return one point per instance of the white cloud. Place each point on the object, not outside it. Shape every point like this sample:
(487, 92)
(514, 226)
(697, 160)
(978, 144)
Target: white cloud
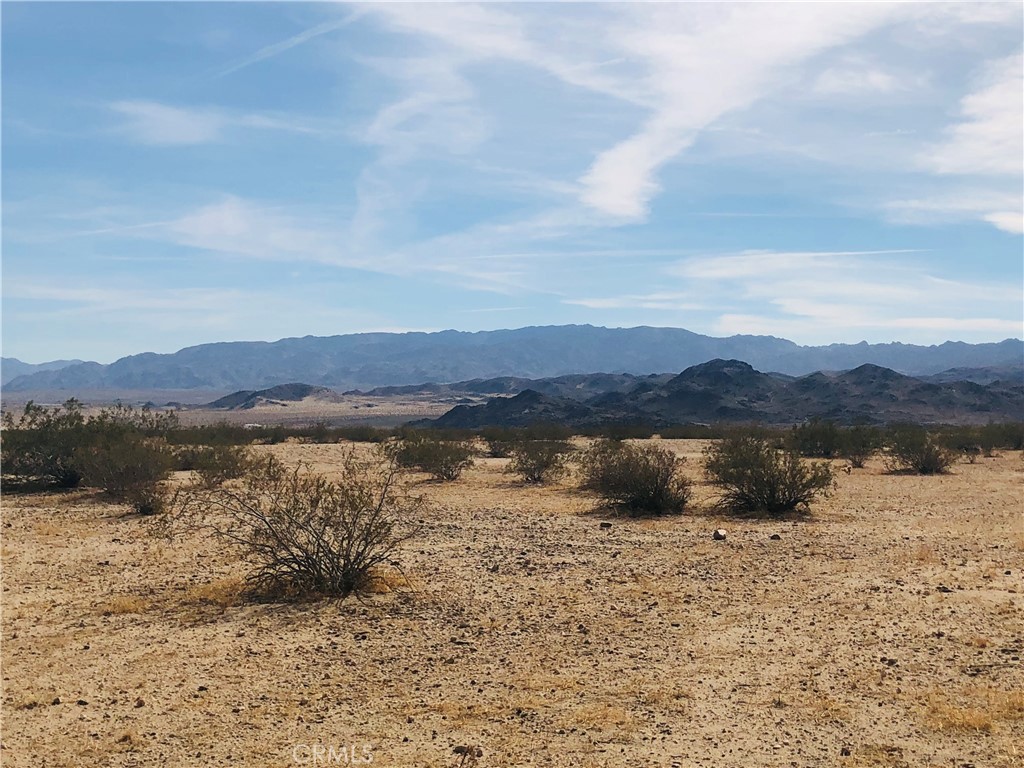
(148, 122)
(819, 297)
(156, 124)
(857, 76)
(989, 140)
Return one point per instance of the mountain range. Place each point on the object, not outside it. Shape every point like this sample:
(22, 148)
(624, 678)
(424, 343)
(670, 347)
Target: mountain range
(388, 359)
(733, 391)
(12, 368)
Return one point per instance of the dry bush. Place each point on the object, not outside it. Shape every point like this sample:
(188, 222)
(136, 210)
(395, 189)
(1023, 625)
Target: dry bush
(539, 461)
(816, 438)
(129, 470)
(859, 444)
(756, 478)
(41, 443)
(303, 535)
(912, 450)
(638, 478)
(214, 464)
(445, 460)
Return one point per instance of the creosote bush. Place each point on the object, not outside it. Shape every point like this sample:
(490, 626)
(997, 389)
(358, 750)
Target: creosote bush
(911, 449)
(120, 450)
(303, 535)
(859, 444)
(41, 444)
(445, 460)
(213, 464)
(638, 478)
(816, 438)
(754, 477)
(129, 469)
(539, 461)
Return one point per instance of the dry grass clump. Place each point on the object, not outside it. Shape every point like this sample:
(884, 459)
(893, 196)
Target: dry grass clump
(223, 593)
(123, 604)
(976, 709)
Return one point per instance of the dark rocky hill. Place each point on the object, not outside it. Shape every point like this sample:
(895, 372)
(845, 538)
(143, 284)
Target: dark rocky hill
(733, 391)
(389, 359)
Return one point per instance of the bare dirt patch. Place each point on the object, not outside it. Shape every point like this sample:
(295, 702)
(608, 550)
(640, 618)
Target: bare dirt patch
(886, 630)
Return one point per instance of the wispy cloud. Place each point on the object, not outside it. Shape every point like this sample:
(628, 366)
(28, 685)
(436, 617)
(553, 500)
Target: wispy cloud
(156, 124)
(813, 296)
(276, 49)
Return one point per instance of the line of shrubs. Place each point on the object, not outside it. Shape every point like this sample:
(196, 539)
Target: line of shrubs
(128, 453)
(307, 535)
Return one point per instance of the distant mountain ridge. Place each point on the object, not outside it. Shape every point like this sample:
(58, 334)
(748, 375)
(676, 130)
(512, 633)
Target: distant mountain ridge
(11, 367)
(733, 391)
(388, 359)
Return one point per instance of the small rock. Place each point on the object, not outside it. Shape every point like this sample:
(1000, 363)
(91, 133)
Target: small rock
(81, 702)
(776, 537)
(719, 534)
(56, 701)
(139, 703)
(944, 589)
(845, 751)
(606, 524)
(202, 688)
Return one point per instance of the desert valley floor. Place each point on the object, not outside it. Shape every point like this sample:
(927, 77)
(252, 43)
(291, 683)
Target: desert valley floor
(885, 630)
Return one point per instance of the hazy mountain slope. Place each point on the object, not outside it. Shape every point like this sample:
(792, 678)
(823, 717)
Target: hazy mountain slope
(11, 367)
(382, 359)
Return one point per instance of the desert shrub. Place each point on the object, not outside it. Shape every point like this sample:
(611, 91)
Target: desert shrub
(619, 431)
(213, 464)
(539, 461)
(1008, 436)
(859, 444)
(687, 432)
(816, 438)
(639, 478)
(129, 469)
(303, 535)
(910, 448)
(754, 477)
(445, 460)
(41, 443)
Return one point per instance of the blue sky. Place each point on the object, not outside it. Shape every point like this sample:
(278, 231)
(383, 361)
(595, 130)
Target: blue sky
(181, 173)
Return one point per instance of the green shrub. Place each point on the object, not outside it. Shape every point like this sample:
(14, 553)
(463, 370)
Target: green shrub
(213, 464)
(41, 444)
(639, 478)
(910, 448)
(129, 470)
(754, 477)
(539, 461)
(816, 438)
(859, 444)
(305, 536)
(445, 460)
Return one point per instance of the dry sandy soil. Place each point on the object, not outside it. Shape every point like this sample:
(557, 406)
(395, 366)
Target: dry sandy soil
(886, 630)
(348, 410)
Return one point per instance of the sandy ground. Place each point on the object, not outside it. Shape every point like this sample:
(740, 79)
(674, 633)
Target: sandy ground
(887, 630)
(349, 410)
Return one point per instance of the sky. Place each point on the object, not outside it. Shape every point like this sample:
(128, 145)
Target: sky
(182, 173)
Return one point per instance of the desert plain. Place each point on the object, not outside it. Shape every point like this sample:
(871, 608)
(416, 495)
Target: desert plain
(530, 626)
